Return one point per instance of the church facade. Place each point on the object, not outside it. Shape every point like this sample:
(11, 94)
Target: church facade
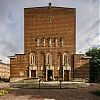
(49, 46)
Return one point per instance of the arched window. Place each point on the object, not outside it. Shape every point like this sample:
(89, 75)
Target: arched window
(56, 41)
(65, 59)
(44, 41)
(61, 42)
(58, 60)
(50, 42)
(37, 42)
(42, 59)
(49, 59)
(32, 59)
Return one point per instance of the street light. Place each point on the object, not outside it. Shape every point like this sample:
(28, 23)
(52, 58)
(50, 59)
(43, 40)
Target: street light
(60, 82)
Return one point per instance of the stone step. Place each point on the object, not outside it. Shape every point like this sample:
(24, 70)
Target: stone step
(31, 80)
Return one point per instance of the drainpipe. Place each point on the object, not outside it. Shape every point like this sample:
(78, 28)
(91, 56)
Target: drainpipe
(73, 66)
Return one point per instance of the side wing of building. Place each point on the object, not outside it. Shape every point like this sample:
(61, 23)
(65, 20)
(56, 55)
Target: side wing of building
(81, 67)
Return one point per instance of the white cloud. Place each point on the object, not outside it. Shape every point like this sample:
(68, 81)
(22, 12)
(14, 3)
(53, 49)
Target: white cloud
(12, 23)
(88, 26)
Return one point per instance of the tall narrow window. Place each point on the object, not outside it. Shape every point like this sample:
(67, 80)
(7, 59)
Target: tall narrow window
(32, 60)
(49, 59)
(56, 41)
(50, 42)
(37, 42)
(65, 59)
(50, 19)
(58, 60)
(61, 42)
(44, 41)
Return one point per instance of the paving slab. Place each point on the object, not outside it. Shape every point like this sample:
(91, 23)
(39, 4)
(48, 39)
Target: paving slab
(52, 94)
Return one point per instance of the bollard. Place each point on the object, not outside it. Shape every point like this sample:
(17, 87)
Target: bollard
(39, 82)
(60, 83)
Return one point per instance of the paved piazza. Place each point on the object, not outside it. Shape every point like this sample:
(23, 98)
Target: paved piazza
(51, 94)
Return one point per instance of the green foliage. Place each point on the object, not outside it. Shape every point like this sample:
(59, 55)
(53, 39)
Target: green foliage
(94, 64)
(3, 92)
(96, 92)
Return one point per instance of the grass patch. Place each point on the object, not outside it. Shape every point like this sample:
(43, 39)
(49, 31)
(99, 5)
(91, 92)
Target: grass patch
(3, 92)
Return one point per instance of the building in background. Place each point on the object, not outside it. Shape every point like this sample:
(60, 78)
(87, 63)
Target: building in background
(49, 46)
(4, 70)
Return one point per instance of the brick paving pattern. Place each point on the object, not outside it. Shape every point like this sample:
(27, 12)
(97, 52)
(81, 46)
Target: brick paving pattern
(51, 94)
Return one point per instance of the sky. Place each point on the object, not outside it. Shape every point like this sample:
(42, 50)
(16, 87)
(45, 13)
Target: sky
(12, 24)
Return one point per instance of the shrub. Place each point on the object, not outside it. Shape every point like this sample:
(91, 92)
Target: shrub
(96, 92)
(3, 92)
(94, 64)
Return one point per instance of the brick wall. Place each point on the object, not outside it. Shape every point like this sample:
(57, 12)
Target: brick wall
(50, 22)
(81, 66)
(18, 66)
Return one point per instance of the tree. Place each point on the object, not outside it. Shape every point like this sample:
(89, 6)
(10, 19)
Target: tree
(94, 64)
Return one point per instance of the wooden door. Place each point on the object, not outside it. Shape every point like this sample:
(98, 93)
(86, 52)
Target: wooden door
(50, 75)
(33, 73)
(66, 75)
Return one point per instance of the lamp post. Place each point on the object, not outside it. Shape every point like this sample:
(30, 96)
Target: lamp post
(39, 82)
(60, 83)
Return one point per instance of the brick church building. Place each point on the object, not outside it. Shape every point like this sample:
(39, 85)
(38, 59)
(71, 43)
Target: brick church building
(49, 47)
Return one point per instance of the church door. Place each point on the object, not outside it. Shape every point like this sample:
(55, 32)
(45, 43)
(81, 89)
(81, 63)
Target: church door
(66, 75)
(33, 73)
(50, 75)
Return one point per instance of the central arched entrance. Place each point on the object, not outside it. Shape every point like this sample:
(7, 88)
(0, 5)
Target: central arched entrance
(49, 68)
(50, 75)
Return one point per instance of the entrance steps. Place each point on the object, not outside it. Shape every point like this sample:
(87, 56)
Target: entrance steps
(50, 85)
(30, 80)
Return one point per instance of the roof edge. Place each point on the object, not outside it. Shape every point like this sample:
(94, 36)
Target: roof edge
(49, 7)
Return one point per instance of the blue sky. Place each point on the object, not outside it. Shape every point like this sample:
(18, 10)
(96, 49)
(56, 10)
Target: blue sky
(12, 24)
